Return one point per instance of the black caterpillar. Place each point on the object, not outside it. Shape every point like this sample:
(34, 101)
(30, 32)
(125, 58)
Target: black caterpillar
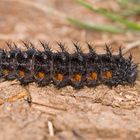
(62, 68)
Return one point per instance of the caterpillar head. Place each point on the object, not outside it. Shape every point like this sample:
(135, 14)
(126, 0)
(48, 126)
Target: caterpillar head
(132, 74)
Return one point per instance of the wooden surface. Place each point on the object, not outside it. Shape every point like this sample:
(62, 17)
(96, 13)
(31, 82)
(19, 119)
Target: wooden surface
(65, 114)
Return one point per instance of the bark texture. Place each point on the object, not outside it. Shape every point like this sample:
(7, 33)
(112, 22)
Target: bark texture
(65, 114)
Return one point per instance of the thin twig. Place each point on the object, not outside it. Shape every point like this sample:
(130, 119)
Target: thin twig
(50, 128)
(131, 46)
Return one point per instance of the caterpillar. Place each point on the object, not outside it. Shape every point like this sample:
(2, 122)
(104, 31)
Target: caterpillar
(61, 68)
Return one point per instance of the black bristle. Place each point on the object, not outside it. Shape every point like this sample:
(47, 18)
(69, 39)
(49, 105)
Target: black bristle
(91, 50)
(120, 52)
(45, 46)
(108, 50)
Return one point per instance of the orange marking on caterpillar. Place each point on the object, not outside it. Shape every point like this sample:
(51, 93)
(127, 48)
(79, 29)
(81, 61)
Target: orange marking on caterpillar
(93, 76)
(77, 77)
(6, 71)
(21, 73)
(107, 74)
(40, 75)
(59, 77)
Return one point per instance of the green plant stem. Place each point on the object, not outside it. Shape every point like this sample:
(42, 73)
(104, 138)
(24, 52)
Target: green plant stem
(106, 28)
(111, 16)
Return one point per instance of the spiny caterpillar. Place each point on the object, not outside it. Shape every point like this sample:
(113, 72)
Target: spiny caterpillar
(62, 68)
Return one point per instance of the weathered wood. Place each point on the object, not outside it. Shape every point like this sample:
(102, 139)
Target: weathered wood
(65, 114)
